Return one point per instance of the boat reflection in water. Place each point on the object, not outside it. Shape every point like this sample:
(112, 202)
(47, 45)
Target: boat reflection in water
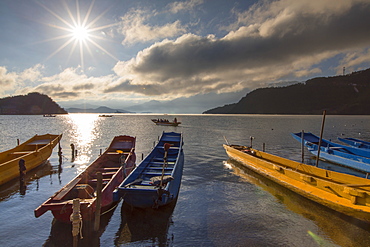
(61, 233)
(145, 226)
(16, 185)
(335, 224)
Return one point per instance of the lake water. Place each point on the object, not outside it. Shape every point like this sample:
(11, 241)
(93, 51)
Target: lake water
(220, 203)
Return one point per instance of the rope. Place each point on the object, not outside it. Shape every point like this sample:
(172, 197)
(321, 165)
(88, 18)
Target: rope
(107, 211)
(76, 219)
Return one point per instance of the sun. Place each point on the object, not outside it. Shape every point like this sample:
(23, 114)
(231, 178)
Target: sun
(80, 33)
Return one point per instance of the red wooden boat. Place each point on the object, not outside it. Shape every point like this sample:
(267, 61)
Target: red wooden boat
(115, 164)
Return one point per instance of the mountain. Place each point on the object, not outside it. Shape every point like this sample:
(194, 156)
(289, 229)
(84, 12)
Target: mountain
(338, 95)
(30, 104)
(149, 107)
(101, 109)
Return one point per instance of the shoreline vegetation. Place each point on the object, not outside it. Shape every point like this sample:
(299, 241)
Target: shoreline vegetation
(338, 95)
(30, 104)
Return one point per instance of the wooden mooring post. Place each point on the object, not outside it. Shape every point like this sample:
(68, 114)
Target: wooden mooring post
(302, 146)
(321, 133)
(22, 169)
(76, 219)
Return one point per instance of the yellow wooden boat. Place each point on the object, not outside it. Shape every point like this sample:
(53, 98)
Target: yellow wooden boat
(344, 193)
(34, 152)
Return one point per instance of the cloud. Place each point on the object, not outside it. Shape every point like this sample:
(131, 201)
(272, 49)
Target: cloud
(12, 80)
(135, 29)
(176, 7)
(353, 59)
(68, 84)
(7, 80)
(271, 41)
(32, 74)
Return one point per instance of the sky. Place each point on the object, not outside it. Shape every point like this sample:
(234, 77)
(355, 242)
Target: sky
(191, 55)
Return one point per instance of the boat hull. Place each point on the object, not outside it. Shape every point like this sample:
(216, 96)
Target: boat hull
(355, 142)
(337, 153)
(344, 193)
(34, 152)
(114, 164)
(166, 123)
(143, 194)
(153, 198)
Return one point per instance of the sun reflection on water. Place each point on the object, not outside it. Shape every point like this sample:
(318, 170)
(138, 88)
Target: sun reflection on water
(84, 130)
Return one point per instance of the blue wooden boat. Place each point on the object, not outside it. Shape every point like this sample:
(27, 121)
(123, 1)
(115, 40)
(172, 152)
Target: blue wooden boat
(156, 180)
(351, 157)
(355, 142)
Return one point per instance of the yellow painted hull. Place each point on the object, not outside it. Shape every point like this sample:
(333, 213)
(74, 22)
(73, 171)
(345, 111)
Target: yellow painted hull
(342, 192)
(34, 152)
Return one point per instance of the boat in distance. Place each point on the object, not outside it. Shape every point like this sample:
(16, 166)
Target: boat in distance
(355, 142)
(341, 192)
(351, 157)
(117, 161)
(166, 122)
(156, 180)
(32, 152)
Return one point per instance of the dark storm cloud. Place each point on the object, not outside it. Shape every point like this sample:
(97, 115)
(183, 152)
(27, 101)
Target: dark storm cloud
(285, 40)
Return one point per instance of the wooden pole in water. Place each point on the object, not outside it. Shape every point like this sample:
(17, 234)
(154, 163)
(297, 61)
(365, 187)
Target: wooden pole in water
(321, 133)
(22, 169)
(251, 140)
(73, 151)
(98, 200)
(302, 145)
(76, 219)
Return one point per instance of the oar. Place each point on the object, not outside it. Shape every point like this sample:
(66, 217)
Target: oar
(166, 146)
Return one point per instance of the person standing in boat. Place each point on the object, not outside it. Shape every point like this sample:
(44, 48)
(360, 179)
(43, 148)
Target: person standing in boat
(175, 120)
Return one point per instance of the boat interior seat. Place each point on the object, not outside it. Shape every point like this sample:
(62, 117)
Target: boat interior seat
(82, 191)
(159, 168)
(21, 152)
(95, 180)
(63, 192)
(108, 169)
(159, 173)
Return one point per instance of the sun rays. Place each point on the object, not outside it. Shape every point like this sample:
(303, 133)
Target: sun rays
(79, 30)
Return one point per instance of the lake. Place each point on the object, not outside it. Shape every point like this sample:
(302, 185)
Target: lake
(220, 202)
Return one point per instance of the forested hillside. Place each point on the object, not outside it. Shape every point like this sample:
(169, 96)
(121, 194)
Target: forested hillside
(341, 95)
(30, 104)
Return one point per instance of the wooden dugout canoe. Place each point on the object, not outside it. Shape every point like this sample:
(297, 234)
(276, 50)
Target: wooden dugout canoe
(344, 193)
(115, 164)
(142, 188)
(355, 142)
(356, 158)
(34, 152)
